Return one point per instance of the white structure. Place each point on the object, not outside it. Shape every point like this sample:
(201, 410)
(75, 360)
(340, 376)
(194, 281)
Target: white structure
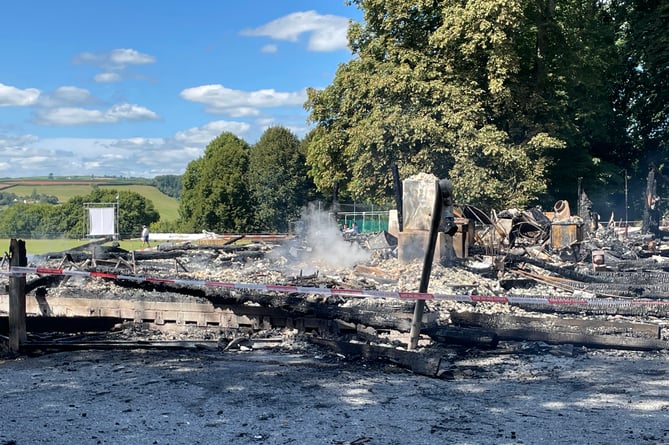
(101, 219)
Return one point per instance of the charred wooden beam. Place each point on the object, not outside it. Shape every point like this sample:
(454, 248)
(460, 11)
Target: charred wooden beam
(471, 337)
(564, 272)
(46, 281)
(422, 363)
(109, 345)
(590, 333)
(38, 324)
(603, 327)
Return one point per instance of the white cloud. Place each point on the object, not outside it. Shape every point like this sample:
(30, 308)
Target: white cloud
(130, 57)
(83, 116)
(140, 157)
(115, 59)
(67, 95)
(27, 155)
(14, 97)
(113, 63)
(222, 100)
(26, 158)
(107, 77)
(14, 144)
(205, 134)
(244, 112)
(130, 112)
(327, 32)
(92, 165)
(269, 49)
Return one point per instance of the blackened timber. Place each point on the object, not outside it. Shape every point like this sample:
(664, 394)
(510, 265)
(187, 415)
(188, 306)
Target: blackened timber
(603, 327)
(324, 308)
(562, 271)
(17, 296)
(470, 337)
(630, 289)
(116, 345)
(631, 310)
(419, 362)
(623, 288)
(590, 333)
(39, 324)
(46, 281)
(636, 276)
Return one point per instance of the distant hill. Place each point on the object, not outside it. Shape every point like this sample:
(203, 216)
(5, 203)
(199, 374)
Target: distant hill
(66, 188)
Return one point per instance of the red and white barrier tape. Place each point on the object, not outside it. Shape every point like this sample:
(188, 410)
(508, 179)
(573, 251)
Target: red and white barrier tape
(355, 293)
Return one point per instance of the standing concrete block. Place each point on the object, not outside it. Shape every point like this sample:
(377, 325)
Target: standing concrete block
(412, 245)
(418, 195)
(393, 223)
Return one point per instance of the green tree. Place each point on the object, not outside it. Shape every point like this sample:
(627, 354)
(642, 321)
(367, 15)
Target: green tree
(169, 185)
(644, 95)
(7, 198)
(28, 220)
(498, 96)
(215, 195)
(134, 211)
(277, 178)
(406, 99)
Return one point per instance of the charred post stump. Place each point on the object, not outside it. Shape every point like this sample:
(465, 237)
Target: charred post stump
(443, 205)
(651, 214)
(17, 296)
(419, 308)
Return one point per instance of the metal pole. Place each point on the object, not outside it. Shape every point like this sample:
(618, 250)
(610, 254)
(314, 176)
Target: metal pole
(118, 217)
(419, 307)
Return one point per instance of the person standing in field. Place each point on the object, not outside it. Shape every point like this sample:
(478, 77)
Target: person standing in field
(145, 236)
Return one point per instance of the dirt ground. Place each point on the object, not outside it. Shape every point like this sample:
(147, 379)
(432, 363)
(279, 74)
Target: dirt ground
(524, 394)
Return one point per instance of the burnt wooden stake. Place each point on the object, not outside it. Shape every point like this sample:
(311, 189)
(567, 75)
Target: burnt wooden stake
(414, 335)
(17, 296)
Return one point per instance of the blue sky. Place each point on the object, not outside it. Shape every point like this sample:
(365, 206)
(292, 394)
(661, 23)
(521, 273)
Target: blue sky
(139, 88)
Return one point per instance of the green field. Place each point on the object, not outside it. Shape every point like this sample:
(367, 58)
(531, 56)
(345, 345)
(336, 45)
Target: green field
(42, 246)
(167, 206)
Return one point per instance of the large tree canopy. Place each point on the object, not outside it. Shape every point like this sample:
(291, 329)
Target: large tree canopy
(277, 179)
(645, 96)
(215, 194)
(505, 98)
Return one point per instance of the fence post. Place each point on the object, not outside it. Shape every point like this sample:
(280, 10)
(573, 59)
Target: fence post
(17, 296)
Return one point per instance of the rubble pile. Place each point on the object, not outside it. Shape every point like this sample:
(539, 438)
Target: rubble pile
(532, 263)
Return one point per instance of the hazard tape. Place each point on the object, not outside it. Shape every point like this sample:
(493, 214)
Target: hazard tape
(354, 293)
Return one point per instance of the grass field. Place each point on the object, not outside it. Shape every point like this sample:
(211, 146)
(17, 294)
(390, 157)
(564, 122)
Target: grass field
(167, 206)
(42, 246)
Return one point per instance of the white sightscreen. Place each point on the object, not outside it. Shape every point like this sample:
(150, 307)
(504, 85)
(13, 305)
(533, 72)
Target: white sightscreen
(101, 221)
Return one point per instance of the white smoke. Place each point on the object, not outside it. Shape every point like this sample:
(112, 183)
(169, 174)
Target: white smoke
(320, 244)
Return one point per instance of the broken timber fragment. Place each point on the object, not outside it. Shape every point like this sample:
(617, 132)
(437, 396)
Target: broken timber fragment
(422, 363)
(471, 337)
